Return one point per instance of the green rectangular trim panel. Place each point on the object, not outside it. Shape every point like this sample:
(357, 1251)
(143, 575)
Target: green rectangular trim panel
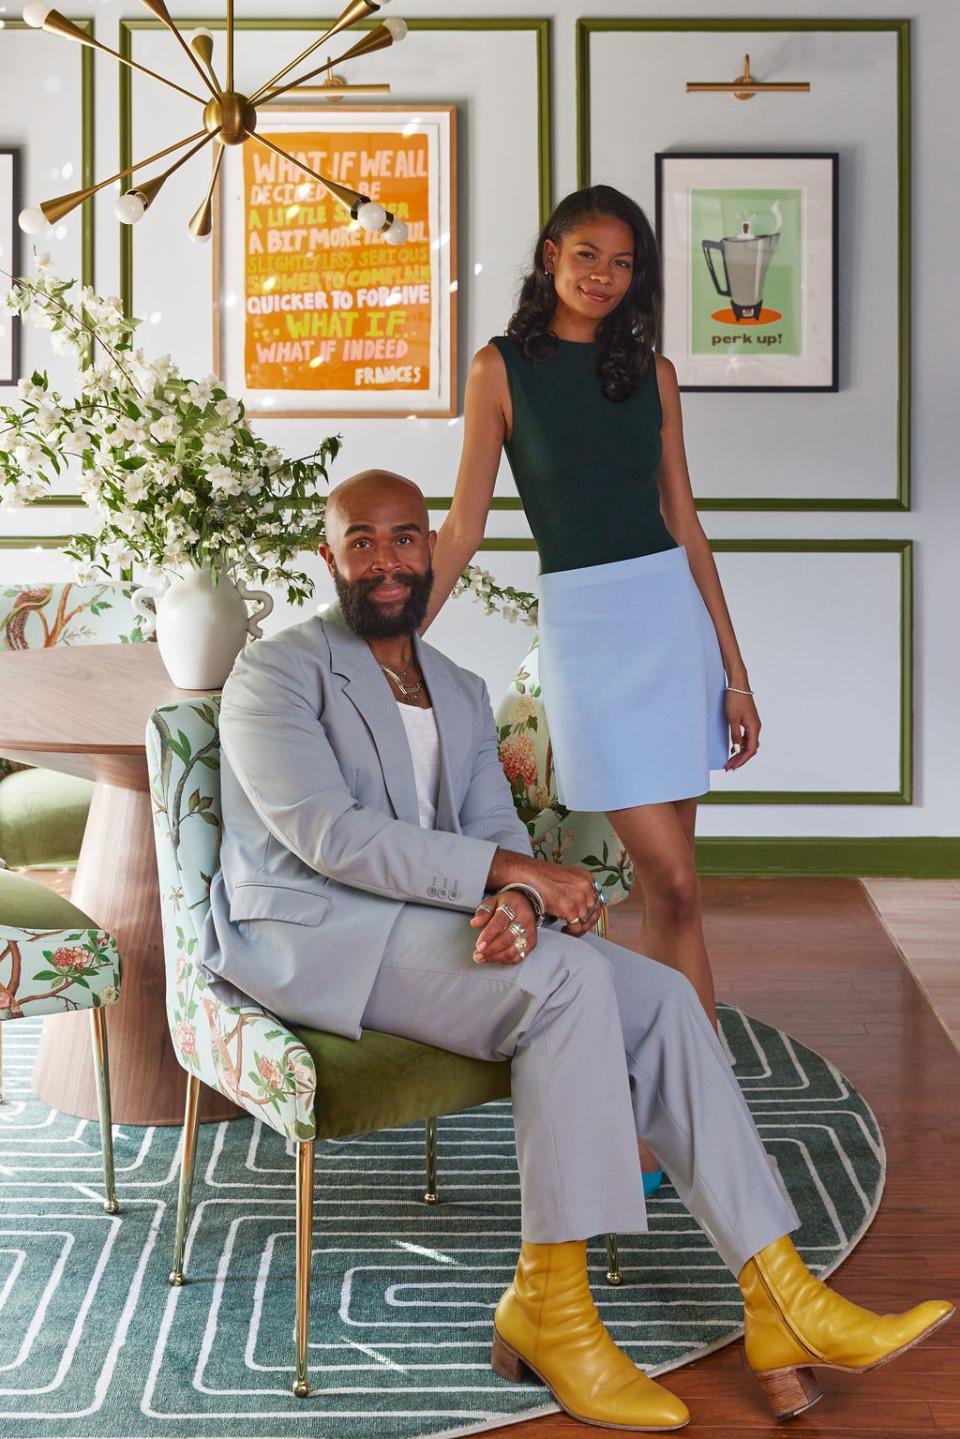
(913, 857)
(731, 25)
(904, 548)
(86, 141)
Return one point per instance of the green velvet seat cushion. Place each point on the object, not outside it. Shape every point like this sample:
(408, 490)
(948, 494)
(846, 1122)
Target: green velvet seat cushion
(25, 904)
(380, 1081)
(42, 817)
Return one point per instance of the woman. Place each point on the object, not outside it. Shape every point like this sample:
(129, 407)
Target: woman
(635, 635)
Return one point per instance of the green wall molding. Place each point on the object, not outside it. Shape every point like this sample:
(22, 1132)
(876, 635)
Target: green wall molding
(903, 795)
(913, 857)
(87, 119)
(731, 25)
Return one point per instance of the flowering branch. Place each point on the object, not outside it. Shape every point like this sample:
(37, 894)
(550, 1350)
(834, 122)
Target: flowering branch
(512, 604)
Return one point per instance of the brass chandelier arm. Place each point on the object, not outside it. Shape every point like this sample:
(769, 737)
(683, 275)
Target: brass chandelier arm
(376, 39)
(347, 197)
(356, 10)
(201, 43)
(230, 44)
(159, 9)
(57, 24)
(149, 189)
(201, 221)
(61, 205)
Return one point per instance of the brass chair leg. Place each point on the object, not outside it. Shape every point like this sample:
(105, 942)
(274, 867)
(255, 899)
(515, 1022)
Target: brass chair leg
(613, 1260)
(101, 1069)
(188, 1160)
(602, 925)
(301, 1384)
(430, 1132)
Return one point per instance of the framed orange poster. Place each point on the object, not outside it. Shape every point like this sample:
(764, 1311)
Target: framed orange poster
(314, 315)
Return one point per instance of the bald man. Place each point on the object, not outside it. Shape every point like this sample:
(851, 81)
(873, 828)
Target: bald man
(374, 874)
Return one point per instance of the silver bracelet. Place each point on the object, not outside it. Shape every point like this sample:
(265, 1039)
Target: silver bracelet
(533, 895)
(732, 689)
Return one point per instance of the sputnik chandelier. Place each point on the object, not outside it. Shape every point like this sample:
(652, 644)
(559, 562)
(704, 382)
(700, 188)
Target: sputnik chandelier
(229, 118)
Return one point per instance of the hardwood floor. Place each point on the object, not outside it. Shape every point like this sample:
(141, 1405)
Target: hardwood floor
(811, 956)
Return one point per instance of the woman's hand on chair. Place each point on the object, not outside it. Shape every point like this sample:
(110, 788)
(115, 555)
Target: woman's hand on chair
(508, 928)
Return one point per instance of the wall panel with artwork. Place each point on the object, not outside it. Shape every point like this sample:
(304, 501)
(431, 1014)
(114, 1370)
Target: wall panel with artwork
(52, 158)
(470, 63)
(633, 104)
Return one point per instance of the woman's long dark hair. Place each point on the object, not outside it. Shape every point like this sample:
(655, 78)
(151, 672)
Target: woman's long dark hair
(627, 336)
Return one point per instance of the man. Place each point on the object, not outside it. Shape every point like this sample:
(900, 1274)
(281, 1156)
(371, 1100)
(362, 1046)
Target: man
(374, 874)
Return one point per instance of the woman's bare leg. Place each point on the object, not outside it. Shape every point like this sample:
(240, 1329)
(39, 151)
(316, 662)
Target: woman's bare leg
(659, 839)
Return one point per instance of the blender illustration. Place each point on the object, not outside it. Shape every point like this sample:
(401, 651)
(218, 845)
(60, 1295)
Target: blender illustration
(746, 258)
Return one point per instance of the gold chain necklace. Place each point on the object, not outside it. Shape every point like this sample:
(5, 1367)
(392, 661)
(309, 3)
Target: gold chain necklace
(400, 680)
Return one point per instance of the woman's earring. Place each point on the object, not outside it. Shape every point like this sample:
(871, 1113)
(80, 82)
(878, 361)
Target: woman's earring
(549, 275)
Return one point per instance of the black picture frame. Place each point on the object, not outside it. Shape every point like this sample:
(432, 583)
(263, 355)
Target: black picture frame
(809, 362)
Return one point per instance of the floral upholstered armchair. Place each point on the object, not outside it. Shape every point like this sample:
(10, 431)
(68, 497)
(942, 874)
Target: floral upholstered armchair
(42, 812)
(54, 960)
(558, 834)
(301, 1082)
(238, 1050)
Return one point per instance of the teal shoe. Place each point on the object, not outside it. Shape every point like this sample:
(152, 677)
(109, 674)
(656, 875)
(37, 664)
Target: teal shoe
(652, 1180)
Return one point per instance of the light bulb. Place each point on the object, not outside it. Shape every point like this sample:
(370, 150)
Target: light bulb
(371, 215)
(130, 208)
(397, 28)
(397, 233)
(200, 239)
(35, 12)
(33, 221)
(201, 34)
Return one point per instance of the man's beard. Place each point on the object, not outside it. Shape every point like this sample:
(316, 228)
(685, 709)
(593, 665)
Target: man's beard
(366, 618)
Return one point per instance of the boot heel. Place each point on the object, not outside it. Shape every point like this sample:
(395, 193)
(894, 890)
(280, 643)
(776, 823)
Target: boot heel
(507, 1363)
(789, 1391)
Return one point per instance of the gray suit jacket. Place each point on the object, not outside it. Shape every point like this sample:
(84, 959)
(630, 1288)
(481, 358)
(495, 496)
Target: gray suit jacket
(322, 843)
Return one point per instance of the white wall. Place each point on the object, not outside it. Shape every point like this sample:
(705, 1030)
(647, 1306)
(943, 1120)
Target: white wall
(820, 631)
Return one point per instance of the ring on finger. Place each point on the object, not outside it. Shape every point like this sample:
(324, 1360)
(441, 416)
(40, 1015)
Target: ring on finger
(520, 945)
(485, 908)
(518, 931)
(508, 910)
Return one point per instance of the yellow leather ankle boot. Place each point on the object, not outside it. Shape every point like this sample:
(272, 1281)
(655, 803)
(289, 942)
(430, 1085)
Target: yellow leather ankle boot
(546, 1324)
(794, 1323)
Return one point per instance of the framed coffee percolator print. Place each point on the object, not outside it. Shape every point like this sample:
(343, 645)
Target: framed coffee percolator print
(748, 244)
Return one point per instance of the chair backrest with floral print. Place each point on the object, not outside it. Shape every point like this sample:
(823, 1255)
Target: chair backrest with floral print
(39, 615)
(241, 1050)
(558, 834)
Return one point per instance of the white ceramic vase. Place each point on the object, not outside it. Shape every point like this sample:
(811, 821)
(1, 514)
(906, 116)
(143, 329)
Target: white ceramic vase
(201, 627)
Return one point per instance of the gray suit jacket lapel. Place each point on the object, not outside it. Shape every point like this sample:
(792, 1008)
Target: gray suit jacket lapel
(452, 726)
(369, 690)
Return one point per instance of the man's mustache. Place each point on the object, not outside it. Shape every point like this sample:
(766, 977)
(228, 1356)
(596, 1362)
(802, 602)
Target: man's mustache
(367, 587)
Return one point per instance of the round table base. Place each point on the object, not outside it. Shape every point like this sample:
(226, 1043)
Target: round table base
(116, 885)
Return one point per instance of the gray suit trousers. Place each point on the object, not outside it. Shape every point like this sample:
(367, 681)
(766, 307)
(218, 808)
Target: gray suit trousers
(605, 1045)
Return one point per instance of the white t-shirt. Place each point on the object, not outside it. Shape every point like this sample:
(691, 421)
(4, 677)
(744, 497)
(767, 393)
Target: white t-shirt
(424, 742)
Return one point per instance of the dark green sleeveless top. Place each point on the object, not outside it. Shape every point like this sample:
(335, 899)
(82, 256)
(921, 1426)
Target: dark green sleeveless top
(585, 467)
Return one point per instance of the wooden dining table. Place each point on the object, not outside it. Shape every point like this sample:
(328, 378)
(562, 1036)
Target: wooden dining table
(83, 709)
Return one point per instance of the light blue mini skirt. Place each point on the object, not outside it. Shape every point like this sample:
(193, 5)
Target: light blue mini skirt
(632, 682)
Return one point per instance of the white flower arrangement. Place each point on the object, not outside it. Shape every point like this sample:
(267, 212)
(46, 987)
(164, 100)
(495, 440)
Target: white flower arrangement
(170, 469)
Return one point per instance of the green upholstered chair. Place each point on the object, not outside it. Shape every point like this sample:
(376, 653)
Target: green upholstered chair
(54, 960)
(42, 812)
(306, 1084)
(561, 835)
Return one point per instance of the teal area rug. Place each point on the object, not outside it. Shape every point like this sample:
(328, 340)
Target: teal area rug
(98, 1346)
